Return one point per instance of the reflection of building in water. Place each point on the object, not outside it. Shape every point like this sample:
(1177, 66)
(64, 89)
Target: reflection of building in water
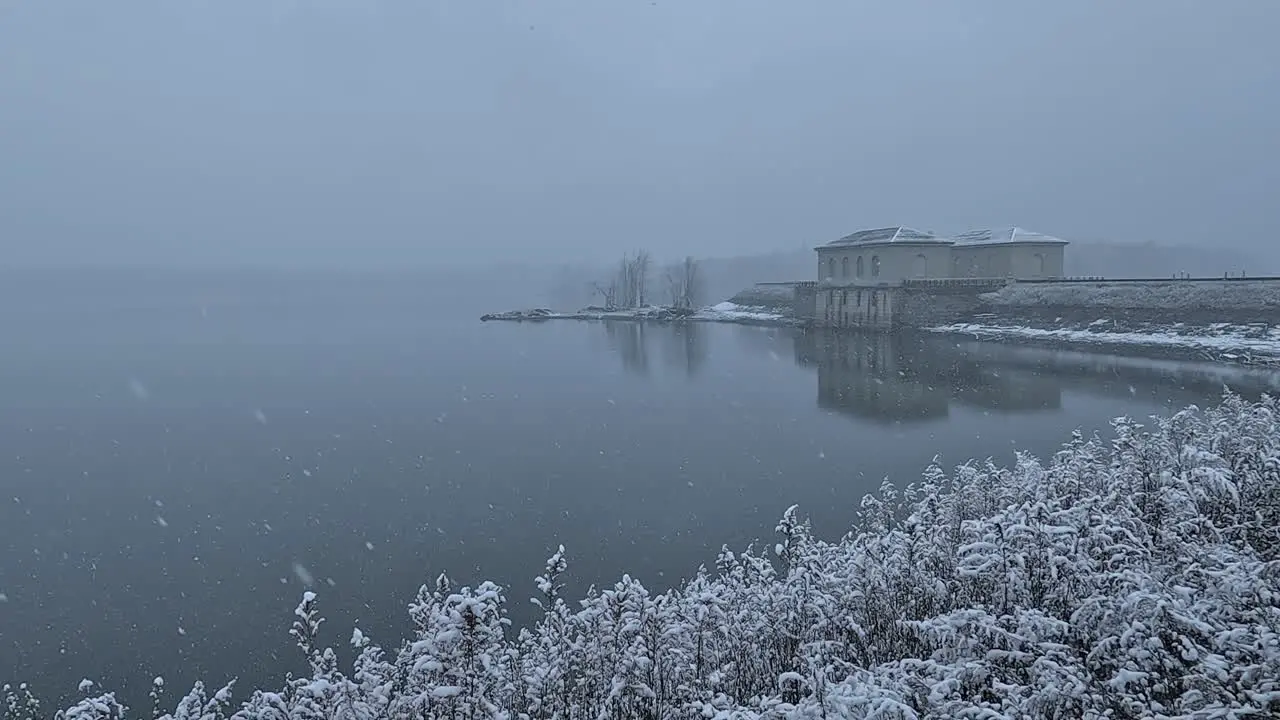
(806, 345)
(683, 345)
(1181, 382)
(875, 377)
(904, 377)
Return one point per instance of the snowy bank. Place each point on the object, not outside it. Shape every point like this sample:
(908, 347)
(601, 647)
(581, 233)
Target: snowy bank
(745, 314)
(1230, 321)
(1127, 577)
(1214, 296)
(1223, 342)
(778, 298)
(725, 312)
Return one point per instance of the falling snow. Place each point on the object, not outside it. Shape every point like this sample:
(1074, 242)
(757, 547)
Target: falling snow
(303, 574)
(1120, 575)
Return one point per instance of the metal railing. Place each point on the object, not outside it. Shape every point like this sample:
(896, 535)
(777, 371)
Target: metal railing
(956, 282)
(1182, 278)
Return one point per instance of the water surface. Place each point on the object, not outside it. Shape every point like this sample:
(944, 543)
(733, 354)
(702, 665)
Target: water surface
(179, 456)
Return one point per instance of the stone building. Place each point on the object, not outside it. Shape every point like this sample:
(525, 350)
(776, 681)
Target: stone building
(1007, 253)
(860, 275)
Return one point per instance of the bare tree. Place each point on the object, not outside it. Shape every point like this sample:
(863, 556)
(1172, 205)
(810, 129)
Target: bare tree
(684, 284)
(632, 280)
(608, 292)
(626, 282)
(642, 263)
(673, 286)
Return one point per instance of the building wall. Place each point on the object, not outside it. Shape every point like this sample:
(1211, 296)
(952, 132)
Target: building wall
(888, 307)
(1038, 261)
(805, 301)
(1017, 260)
(897, 262)
(900, 262)
(837, 265)
(980, 261)
(848, 307)
(927, 308)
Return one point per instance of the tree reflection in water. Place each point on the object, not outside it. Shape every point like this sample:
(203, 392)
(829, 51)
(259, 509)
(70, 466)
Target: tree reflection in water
(682, 345)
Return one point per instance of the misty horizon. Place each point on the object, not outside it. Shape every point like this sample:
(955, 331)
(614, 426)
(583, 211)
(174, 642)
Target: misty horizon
(396, 134)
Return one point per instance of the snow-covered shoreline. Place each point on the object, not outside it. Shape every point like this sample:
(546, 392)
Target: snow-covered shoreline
(1221, 342)
(725, 312)
(1255, 345)
(1156, 296)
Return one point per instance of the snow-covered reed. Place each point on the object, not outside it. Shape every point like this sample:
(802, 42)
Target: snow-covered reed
(1131, 576)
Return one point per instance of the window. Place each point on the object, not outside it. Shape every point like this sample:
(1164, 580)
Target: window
(1038, 265)
(844, 267)
(831, 268)
(920, 266)
(875, 266)
(859, 298)
(859, 269)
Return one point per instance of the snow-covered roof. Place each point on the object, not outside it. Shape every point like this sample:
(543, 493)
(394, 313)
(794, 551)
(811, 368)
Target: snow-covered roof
(877, 236)
(1004, 235)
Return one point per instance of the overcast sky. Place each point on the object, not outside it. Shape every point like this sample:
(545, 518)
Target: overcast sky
(420, 131)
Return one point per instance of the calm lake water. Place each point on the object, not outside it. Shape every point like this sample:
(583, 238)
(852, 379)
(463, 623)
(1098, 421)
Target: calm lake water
(179, 456)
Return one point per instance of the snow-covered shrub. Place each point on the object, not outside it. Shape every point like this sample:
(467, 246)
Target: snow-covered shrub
(1130, 577)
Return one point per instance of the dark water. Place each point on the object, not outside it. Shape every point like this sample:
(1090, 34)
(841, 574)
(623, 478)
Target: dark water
(177, 455)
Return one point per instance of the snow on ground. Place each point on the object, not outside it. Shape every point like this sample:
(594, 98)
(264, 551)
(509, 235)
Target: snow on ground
(1227, 342)
(726, 312)
(733, 312)
(1166, 295)
(777, 298)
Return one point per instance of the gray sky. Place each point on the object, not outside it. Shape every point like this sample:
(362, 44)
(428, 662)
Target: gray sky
(421, 131)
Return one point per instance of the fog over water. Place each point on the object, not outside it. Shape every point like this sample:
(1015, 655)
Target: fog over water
(181, 460)
(244, 245)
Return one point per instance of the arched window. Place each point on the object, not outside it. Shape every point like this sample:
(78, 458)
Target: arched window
(831, 268)
(859, 268)
(844, 267)
(920, 266)
(875, 266)
(1038, 264)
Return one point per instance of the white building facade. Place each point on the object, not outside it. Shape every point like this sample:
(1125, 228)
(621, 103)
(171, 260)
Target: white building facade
(857, 272)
